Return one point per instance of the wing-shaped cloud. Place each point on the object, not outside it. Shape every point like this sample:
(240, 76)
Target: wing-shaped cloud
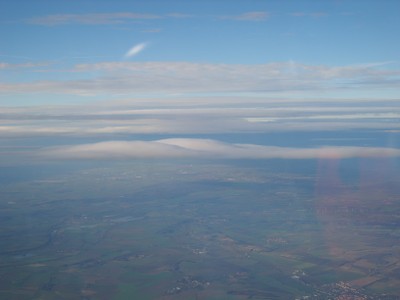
(135, 50)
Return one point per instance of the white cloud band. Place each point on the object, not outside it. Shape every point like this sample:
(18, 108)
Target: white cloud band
(206, 148)
(184, 77)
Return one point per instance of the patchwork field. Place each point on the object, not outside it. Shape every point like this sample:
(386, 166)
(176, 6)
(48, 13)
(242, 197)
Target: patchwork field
(206, 231)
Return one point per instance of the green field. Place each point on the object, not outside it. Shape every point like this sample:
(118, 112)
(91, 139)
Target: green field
(206, 231)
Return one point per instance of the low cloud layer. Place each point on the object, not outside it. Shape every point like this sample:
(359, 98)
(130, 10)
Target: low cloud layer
(199, 116)
(206, 148)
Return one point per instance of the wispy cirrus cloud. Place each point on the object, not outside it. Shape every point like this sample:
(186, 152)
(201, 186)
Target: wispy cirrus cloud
(308, 14)
(9, 66)
(91, 18)
(248, 16)
(185, 77)
(179, 15)
(153, 30)
(205, 148)
(100, 18)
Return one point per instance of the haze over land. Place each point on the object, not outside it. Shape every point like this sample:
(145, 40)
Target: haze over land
(199, 149)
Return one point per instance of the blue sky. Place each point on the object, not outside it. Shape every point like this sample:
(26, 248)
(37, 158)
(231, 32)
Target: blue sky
(322, 32)
(315, 32)
(44, 41)
(98, 68)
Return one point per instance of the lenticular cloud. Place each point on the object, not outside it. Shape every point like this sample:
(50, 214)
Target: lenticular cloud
(135, 50)
(205, 148)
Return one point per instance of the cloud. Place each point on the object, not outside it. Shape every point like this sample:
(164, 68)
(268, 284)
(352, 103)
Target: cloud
(304, 14)
(179, 15)
(205, 148)
(105, 18)
(135, 50)
(90, 19)
(185, 77)
(153, 30)
(248, 16)
(199, 115)
(8, 66)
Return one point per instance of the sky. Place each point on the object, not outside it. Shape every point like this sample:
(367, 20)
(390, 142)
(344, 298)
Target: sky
(107, 71)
